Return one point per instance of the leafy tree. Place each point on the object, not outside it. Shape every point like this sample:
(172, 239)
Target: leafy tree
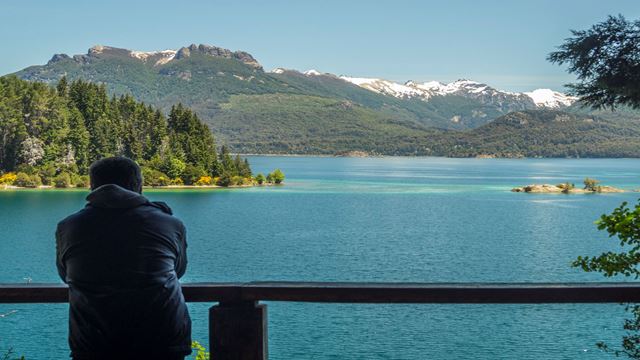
(277, 176)
(591, 184)
(260, 179)
(192, 174)
(81, 181)
(152, 177)
(63, 180)
(174, 167)
(624, 224)
(606, 60)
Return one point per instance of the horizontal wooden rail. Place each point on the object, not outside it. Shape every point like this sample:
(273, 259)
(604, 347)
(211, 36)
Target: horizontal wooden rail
(332, 292)
(238, 324)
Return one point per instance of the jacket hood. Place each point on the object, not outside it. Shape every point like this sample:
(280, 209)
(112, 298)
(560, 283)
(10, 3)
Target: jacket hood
(113, 196)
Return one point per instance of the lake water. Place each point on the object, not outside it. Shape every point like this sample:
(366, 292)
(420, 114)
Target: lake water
(370, 219)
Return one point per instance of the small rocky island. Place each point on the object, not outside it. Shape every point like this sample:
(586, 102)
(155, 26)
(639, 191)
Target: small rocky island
(591, 186)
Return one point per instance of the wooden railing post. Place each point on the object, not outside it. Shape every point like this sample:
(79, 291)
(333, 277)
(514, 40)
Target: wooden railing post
(238, 331)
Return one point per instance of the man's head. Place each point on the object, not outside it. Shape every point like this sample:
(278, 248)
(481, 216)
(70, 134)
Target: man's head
(117, 170)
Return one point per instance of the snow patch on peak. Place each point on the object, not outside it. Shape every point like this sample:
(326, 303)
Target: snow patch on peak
(312, 72)
(278, 71)
(549, 98)
(165, 55)
(386, 87)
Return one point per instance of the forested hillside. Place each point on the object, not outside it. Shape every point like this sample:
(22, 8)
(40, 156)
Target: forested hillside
(289, 112)
(547, 133)
(50, 135)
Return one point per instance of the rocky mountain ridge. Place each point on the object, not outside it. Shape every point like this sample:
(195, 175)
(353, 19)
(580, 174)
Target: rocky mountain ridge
(157, 58)
(510, 101)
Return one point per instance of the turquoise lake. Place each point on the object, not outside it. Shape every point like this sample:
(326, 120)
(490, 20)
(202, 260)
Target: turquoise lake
(366, 219)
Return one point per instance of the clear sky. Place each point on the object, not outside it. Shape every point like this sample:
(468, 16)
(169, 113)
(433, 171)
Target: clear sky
(502, 43)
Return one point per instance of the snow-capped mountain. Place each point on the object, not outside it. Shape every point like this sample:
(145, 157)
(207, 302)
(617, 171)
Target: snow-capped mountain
(485, 94)
(550, 99)
(544, 98)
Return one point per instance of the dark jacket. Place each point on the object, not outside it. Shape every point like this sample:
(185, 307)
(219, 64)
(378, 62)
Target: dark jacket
(122, 256)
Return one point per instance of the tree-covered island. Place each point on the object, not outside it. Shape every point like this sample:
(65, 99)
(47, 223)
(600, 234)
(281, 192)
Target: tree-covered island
(49, 137)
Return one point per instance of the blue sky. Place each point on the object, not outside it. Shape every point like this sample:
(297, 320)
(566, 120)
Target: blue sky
(503, 43)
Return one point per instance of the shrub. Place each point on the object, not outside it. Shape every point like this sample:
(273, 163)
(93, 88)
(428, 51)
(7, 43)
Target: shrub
(174, 167)
(25, 180)
(192, 174)
(152, 177)
(200, 351)
(48, 173)
(237, 180)
(63, 180)
(277, 176)
(260, 179)
(177, 181)
(8, 178)
(204, 180)
(81, 181)
(224, 180)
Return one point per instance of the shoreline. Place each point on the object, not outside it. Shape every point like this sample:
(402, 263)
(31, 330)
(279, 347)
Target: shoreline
(167, 187)
(434, 157)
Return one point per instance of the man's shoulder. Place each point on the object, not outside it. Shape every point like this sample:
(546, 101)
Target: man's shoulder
(74, 218)
(162, 212)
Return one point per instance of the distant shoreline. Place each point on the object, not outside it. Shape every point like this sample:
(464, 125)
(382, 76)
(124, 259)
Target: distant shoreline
(437, 157)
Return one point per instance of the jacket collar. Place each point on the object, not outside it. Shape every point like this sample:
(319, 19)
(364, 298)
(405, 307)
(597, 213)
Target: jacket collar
(112, 196)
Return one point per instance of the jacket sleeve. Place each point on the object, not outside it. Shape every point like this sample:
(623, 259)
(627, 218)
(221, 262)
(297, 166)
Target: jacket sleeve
(181, 259)
(62, 269)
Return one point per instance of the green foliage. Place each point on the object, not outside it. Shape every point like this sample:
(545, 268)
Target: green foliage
(192, 173)
(63, 180)
(200, 351)
(26, 180)
(237, 180)
(81, 181)
(606, 61)
(260, 179)
(624, 224)
(277, 176)
(591, 184)
(11, 355)
(153, 177)
(55, 133)
(567, 187)
(225, 179)
(174, 167)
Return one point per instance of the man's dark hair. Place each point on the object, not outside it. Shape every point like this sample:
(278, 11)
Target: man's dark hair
(117, 170)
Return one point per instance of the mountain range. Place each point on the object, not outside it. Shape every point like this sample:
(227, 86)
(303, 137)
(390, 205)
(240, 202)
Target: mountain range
(289, 111)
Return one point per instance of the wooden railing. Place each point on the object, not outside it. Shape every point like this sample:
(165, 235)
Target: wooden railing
(238, 323)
